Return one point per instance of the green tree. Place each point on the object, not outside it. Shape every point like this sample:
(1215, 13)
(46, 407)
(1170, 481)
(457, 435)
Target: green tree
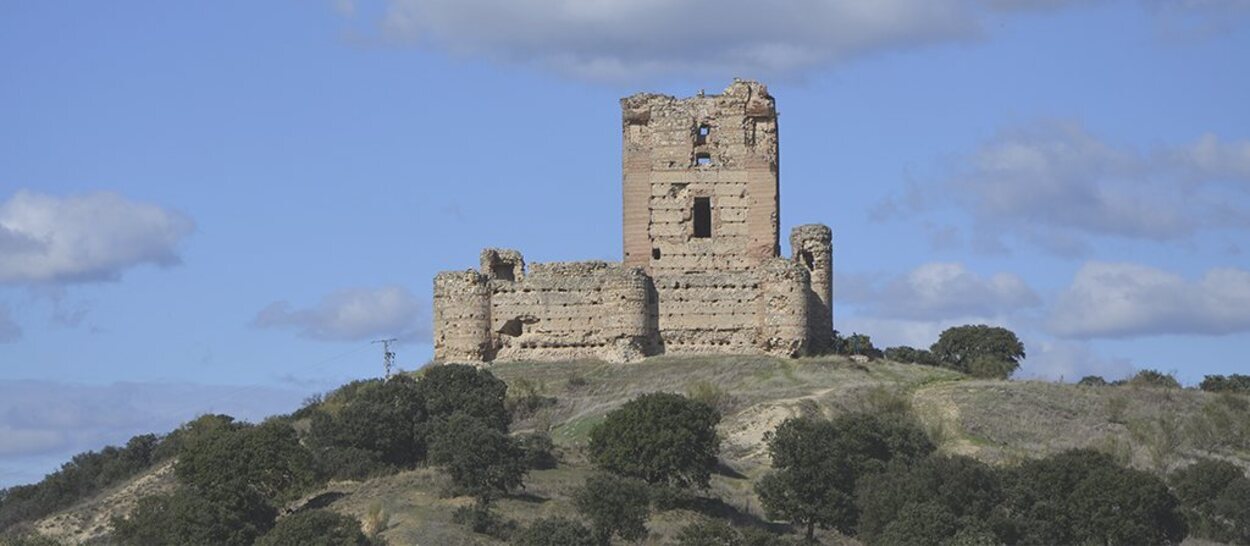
(315, 528)
(1084, 497)
(660, 438)
(382, 417)
(186, 517)
(1236, 383)
(1215, 499)
(614, 505)
(457, 388)
(554, 532)
(480, 459)
(1154, 379)
(1092, 381)
(936, 501)
(267, 459)
(979, 349)
(817, 464)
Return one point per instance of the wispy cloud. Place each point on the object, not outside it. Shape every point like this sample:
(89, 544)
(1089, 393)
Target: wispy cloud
(351, 315)
(1127, 300)
(87, 237)
(632, 39)
(1057, 185)
(936, 291)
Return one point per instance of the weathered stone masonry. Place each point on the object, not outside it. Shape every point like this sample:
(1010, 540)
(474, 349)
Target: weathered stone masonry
(701, 271)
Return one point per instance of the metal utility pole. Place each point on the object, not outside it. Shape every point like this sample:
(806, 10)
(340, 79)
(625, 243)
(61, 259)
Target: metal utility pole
(388, 357)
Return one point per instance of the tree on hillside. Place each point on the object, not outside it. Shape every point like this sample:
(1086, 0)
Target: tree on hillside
(481, 460)
(615, 506)
(223, 517)
(315, 528)
(980, 350)
(1236, 383)
(459, 388)
(660, 438)
(1154, 379)
(554, 532)
(383, 417)
(267, 459)
(930, 502)
(1084, 497)
(1215, 498)
(817, 464)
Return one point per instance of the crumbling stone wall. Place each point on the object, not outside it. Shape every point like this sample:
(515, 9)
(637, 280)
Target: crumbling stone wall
(701, 271)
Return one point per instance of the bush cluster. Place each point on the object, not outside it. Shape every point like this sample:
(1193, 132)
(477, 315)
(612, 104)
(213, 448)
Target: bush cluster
(1235, 383)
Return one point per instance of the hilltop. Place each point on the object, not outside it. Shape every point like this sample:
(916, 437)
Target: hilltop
(999, 422)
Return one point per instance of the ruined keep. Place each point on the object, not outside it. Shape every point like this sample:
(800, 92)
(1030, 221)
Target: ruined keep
(701, 273)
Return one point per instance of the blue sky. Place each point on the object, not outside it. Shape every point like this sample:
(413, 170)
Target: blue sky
(216, 207)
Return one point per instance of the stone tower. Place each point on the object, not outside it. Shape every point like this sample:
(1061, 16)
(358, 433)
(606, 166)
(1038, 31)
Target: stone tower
(700, 180)
(701, 272)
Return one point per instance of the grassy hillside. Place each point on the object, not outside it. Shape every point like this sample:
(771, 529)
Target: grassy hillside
(996, 421)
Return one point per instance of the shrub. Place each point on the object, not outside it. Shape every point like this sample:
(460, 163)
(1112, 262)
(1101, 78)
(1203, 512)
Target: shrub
(817, 464)
(1154, 379)
(1092, 381)
(381, 416)
(537, 451)
(710, 532)
(482, 520)
(910, 355)
(979, 350)
(554, 532)
(267, 459)
(659, 438)
(350, 463)
(1234, 383)
(525, 398)
(224, 517)
(1215, 499)
(615, 506)
(855, 344)
(315, 528)
(929, 503)
(1084, 497)
(458, 388)
(480, 459)
(710, 394)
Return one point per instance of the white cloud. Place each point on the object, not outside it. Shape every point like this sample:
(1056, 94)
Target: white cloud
(1126, 300)
(632, 39)
(351, 315)
(10, 331)
(1069, 361)
(936, 291)
(618, 39)
(1056, 185)
(87, 237)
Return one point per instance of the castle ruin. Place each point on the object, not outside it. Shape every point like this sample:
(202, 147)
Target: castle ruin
(701, 273)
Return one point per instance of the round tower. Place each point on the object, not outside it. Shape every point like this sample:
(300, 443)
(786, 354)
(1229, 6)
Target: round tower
(462, 317)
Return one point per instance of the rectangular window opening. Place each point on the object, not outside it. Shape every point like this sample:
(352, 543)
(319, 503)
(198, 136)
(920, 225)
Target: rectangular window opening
(655, 254)
(701, 136)
(702, 217)
(703, 159)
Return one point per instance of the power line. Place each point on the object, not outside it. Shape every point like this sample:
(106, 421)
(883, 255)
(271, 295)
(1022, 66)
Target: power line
(388, 357)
